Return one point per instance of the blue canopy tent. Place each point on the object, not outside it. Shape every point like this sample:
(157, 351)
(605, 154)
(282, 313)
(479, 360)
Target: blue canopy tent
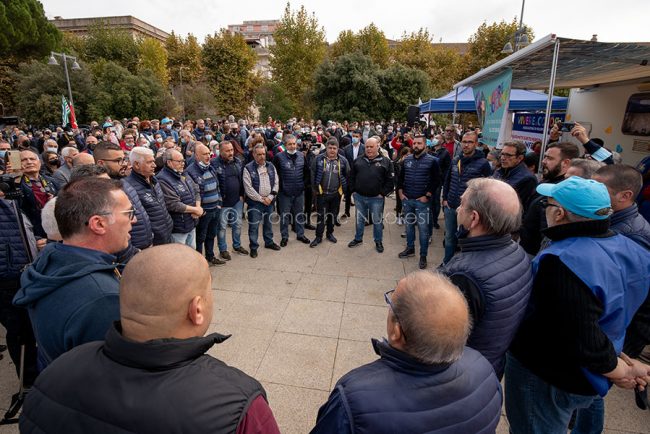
(520, 100)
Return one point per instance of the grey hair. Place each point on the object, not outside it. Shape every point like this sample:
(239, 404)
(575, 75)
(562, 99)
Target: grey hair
(259, 146)
(65, 152)
(50, 141)
(588, 167)
(48, 221)
(139, 153)
(496, 218)
(431, 342)
(168, 155)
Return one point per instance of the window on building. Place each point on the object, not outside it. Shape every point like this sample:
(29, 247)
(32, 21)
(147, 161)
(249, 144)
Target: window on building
(265, 28)
(249, 28)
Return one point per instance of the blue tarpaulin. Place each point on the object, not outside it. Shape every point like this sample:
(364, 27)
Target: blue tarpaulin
(520, 100)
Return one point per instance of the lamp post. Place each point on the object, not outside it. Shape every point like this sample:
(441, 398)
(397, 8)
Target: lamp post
(521, 38)
(180, 74)
(75, 67)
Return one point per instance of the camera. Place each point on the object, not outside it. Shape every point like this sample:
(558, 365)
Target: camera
(566, 127)
(9, 187)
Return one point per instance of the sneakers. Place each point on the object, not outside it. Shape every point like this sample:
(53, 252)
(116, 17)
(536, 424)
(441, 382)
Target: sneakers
(400, 221)
(225, 256)
(215, 261)
(354, 243)
(379, 247)
(423, 262)
(283, 242)
(407, 253)
(241, 250)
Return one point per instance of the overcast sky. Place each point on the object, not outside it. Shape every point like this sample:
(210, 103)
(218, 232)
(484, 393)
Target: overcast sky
(449, 20)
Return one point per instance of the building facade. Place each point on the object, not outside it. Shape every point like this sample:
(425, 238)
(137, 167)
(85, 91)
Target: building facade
(136, 27)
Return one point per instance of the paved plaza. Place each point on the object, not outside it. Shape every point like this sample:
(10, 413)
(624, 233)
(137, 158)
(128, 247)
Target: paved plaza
(300, 318)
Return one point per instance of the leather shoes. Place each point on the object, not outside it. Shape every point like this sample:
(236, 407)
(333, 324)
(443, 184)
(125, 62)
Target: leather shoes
(225, 256)
(423, 262)
(337, 222)
(283, 242)
(316, 242)
(303, 239)
(272, 247)
(407, 253)
(241, 250)
(216, 261)
(310, 227)
(253, 253)
(354, 243)
(379, 247)
(331, 238)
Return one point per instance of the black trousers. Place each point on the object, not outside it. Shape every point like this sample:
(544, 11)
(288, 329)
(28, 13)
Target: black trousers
(348, 201)
(19, 332)
(327, 208)
(309, 203)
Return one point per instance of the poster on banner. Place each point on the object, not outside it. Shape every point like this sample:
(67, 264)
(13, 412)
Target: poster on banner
(529, 127)
(492, 98)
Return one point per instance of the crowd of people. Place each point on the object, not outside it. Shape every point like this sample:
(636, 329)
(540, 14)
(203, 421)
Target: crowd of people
(543, 284)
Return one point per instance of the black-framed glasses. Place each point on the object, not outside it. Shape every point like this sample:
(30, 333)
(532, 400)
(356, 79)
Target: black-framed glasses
(503, 154)
(387, 295)
(119, 161)
(545, 204)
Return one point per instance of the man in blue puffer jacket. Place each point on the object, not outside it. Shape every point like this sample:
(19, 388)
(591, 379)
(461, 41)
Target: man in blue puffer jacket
(492, 271)
(425, 380)
(469, 165)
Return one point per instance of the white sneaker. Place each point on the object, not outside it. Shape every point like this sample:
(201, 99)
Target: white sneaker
(400, 221)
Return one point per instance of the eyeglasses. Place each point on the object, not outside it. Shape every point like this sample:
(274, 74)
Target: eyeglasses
(119, 161)
(503, 154)
(392, 308)
(545, 204)
(468, 142)
(129, 212)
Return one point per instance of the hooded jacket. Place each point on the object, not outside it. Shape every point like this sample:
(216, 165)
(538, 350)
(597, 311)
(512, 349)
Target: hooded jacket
(72, 296)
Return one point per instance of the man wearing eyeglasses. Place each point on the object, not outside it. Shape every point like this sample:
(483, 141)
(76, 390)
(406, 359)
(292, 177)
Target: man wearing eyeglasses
(590, 287)
(450, 143)
(111, 157)
(71, 291)
(514, 172)
(426, 380)
(182, 198)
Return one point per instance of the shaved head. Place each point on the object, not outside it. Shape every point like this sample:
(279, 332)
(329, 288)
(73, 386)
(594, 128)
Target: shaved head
(82, 159)
(165, 292)
(434, 316)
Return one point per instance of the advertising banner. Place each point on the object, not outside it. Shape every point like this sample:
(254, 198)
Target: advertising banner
(492, 98)
(529, 127)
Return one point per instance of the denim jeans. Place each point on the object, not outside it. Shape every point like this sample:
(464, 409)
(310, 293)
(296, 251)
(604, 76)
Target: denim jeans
(417, 214)
(206, 231)
(188, 239)
(258, 212)
(591, 420)
(375, 205)
(290, 209)
(230, 216)
(451, 227)
(534, 406)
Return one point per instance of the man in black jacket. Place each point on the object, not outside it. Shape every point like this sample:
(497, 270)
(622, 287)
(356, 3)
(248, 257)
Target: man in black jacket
(371, 180)
(154, 355)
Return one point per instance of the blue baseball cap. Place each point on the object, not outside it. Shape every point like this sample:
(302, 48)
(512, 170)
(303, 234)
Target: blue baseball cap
(583, 197)
(166, 121)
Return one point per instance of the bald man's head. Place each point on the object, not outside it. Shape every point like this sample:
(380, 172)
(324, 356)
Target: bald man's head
(82, 159)
(489, 206)
(165, 292)
(434, 316)
(202, 153)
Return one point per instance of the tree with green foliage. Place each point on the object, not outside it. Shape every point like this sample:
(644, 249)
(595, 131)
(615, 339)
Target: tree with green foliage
(401, 87)
(228, 63)
(25, 32)
(153, 56)
(185, 53)
(369, 41)
(111, 44)
(39, 87)
(271, 100)
(486, 43)
(299, 48)
(348, 88)
(443, 66)
(120, 94)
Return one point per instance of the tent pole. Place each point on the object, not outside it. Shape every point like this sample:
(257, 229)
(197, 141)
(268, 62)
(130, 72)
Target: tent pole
(453, 119)
(549, 102)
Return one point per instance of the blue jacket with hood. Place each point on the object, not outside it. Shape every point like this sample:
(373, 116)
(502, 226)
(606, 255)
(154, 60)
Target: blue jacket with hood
(72, 296)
